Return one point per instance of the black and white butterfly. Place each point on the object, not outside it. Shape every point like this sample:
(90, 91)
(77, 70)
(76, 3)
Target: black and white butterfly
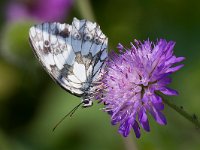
(73, 55)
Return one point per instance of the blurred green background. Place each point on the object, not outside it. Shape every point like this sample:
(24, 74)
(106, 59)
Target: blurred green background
(31, 103)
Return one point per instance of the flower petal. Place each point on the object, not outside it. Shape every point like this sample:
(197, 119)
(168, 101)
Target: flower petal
(143, 119)
(136, 129)
(120, 47)
(174, 69)
(158, 116)
(157, 102)
(168, 91)
(125, 128)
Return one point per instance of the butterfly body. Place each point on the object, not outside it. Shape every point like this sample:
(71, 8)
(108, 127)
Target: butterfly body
(73, 55)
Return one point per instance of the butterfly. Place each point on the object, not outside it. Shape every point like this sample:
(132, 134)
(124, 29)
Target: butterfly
(73, 55)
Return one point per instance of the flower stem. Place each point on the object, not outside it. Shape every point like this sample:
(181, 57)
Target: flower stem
(85, 8)
(190, 117)
(129, 143)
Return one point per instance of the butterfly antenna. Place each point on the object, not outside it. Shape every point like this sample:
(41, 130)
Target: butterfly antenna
(69, 114)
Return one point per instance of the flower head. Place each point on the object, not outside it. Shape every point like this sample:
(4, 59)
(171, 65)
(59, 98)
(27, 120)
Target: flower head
(131, 81)
(40, 10)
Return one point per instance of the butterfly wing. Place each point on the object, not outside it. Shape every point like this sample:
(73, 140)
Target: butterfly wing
(73, 55)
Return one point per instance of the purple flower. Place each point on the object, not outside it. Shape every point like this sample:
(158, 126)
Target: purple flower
(40, 10)
(131, 80)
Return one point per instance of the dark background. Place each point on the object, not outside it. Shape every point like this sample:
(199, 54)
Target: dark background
(31, 103)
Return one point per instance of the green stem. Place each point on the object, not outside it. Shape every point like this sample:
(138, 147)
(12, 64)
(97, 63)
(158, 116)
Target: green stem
(85, 9)
(190, 117)
(129, 143)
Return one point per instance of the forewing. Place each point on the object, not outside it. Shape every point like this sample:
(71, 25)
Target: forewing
(51, 44)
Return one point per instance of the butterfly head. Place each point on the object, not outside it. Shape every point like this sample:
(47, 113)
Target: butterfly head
(87, 102)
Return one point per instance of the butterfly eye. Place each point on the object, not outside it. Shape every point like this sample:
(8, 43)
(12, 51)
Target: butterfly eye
(88, 37)
(76, 36)
(86, 101)
(98, 41)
